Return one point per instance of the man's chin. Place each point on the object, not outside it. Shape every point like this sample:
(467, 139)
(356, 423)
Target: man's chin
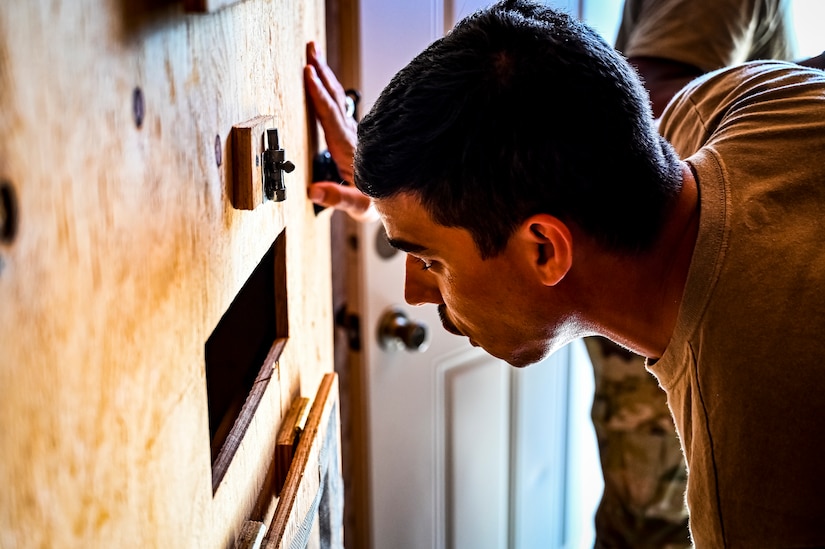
(518, 359)
(521, 362)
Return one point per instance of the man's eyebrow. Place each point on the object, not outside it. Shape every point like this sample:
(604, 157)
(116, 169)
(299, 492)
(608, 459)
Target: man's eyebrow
(405, 246)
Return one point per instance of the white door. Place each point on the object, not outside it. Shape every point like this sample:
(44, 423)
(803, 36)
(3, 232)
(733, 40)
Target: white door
(465, 451)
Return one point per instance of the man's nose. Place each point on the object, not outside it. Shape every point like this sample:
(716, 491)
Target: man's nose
(420, 287)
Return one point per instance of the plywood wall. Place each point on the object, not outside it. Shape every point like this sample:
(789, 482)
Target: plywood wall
(115, 118)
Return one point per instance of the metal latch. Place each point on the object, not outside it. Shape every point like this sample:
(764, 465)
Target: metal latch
(275, 164)
(258, 163)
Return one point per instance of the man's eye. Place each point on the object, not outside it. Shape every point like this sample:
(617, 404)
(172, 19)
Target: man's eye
(425, 266)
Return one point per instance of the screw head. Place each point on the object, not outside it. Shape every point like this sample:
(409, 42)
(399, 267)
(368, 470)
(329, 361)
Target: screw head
(138, 107)
(8, 212)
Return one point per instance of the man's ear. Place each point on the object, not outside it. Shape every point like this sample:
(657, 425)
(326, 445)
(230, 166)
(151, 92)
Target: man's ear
(549, 246)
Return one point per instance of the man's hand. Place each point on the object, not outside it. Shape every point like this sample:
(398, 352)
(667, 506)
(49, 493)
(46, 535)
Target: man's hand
(340, 130)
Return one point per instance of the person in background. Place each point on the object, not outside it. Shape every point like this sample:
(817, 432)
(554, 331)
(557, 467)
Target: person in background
(669, 43)
(638, 527)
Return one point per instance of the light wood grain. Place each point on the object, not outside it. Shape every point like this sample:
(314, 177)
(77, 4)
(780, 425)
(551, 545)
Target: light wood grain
(128, 252)
(247, 161)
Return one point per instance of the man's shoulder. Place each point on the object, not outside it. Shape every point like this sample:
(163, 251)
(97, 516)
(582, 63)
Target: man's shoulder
(704, 105)
(743, 79)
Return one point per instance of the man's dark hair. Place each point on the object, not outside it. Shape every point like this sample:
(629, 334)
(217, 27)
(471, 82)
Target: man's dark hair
(520, 110)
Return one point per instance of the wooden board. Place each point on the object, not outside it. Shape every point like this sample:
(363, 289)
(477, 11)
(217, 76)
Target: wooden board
(206, 6)
(311, 505)
(115, 119)
(247, 151)
(251, 536)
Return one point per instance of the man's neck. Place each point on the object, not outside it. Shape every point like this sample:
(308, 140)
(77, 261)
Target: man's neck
(642, 297)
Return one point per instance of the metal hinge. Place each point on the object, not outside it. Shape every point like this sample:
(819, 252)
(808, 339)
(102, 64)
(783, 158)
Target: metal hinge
(350, 322)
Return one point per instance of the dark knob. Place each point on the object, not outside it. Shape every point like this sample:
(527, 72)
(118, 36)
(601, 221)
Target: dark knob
(396, 331)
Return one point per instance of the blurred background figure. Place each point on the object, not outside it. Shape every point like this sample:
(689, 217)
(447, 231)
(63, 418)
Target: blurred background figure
(669, 42)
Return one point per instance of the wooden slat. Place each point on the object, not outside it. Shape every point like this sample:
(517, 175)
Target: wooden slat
(250, 406)
(251, 536)
(343, 55)
(247, 161)
(207, 6)
(287, 442)
(303, 482)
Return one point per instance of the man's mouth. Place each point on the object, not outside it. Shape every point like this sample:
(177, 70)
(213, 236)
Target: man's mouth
(446, 322)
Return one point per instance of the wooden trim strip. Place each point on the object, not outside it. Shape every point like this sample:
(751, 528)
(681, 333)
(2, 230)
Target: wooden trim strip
(303, 482)
(236, 434)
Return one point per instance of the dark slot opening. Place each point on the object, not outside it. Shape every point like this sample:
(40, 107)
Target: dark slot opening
(241, 353)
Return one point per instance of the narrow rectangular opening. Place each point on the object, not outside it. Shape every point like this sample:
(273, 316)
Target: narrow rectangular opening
(241, 354)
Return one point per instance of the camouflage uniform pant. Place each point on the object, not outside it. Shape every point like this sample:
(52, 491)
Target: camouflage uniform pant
(643, 505)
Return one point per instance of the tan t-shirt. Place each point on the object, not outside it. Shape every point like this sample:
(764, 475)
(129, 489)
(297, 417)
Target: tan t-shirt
(745, 369)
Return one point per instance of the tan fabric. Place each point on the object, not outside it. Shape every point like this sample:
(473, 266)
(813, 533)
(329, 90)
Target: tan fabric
(745, 369)
(708, 34)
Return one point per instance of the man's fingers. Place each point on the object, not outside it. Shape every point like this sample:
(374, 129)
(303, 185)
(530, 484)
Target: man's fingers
(324, 103)
(332, 117)
(329, 100)
(327, 77)
(341, 197)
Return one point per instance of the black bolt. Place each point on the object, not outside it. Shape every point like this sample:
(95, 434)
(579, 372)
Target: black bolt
(138, 107)
(8, 212)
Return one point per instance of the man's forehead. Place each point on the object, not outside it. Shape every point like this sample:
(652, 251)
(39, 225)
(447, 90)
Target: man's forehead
(400, 214)
(397, 204)
(407, 225)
